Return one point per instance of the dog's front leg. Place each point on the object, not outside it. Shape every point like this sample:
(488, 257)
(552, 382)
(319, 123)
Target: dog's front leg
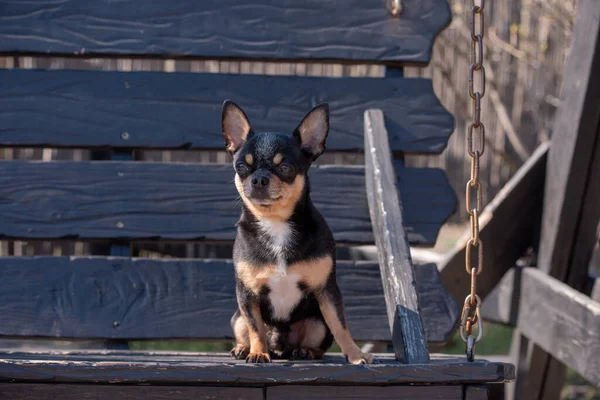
(257, 332)
(332, 308)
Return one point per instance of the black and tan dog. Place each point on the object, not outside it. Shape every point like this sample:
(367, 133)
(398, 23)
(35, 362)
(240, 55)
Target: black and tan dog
(284, 253)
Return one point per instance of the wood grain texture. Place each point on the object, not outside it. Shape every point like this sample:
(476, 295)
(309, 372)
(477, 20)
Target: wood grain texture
(560, 320)
(571, 195)
(357, 30)
(297, 392)
(476, 392)
(190, 201)
(397, 272)
(37, 391)
(507, 227)
(182, 110)
(157, 368)
(124, 298)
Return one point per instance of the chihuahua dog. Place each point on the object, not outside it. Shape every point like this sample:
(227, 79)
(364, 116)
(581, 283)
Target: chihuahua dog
(289, 303)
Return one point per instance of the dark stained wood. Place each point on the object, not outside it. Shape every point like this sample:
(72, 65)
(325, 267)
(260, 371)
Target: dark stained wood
(560, 320)
(476, 392)
(156, 299)
(126, 200)
(295, 392)
(397, 272)
(220, 369)
(595, 292)
(573, 141)
(360, 30)
(571, 194)
(182, 110)
(37, 391)
(507, 227)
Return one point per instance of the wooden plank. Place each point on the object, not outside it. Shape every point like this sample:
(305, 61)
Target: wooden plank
(397, 272)
(41, 391)
(476, 392)
(297, 392)
(561, 321)
(507, 227)
(263, 29)
(182, 110)
(571, 196)
(125, 200)
(222, 370)
(126, 298)
(573, 143)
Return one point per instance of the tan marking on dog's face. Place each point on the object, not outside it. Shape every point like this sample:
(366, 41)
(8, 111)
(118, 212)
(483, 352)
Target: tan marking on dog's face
(314, 273)
(278, 159)
(280, 209)
(249, 159)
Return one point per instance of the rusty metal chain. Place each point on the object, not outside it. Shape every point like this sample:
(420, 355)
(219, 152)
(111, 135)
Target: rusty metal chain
(475, 148)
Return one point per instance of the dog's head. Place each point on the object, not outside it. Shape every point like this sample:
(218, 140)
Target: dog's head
(270, 167)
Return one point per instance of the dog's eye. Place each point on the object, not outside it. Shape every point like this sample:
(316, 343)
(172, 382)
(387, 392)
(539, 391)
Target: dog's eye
(241, 168)
(285, 169)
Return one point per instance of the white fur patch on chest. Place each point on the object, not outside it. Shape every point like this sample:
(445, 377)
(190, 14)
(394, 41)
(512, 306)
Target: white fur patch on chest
(279, 234)
(284, 294)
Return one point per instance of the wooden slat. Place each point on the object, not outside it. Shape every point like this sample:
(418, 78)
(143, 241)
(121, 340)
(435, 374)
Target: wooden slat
(476, 392)
(124, 298)
(595, 292)
(571, 197)
(41, 391)
(507, 227)
(222, 370)
(113, 200)
(559, 319)
(361, 30)
(160, 110)
(397, 272)
(297, 392)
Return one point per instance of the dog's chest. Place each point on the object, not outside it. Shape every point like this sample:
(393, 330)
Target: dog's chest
(278, 237)
(284, 294)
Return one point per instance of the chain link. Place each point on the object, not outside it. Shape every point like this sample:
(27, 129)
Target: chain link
(475, 149)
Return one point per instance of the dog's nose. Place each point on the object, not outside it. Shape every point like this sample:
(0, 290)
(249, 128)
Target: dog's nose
(260, 181)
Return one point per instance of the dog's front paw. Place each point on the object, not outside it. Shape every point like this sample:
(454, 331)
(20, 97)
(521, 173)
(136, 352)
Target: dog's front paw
(361, 358)
(239, 352)
(259, 358)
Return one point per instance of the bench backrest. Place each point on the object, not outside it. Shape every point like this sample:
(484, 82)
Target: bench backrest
(122, 112)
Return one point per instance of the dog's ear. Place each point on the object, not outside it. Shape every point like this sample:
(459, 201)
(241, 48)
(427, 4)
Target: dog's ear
(312, 131)
(235, 125)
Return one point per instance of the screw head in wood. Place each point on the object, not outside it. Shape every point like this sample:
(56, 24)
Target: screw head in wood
(125, 135)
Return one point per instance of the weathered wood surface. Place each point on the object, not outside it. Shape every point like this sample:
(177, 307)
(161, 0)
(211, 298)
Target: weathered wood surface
(182, 110)
(595, 292)
(559, 319)
(41, 391)
(397, 272)
(569, 173)
(507, 227)
(190, 201)
(476, 392)
(362, 30)
(152, 299)
(571, 197)
(297, 392)
(220, 369)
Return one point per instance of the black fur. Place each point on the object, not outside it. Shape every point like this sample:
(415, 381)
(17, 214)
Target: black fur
(311, 238)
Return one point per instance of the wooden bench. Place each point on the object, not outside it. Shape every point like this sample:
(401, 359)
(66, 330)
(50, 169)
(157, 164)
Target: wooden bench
(118, 297)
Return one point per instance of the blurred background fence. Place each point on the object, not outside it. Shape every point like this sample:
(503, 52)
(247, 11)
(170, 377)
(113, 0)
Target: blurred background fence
(526, 46)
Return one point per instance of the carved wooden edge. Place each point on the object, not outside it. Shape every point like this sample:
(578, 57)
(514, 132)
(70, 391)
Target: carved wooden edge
(507, 228)
(559, 319)
(397, 271)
